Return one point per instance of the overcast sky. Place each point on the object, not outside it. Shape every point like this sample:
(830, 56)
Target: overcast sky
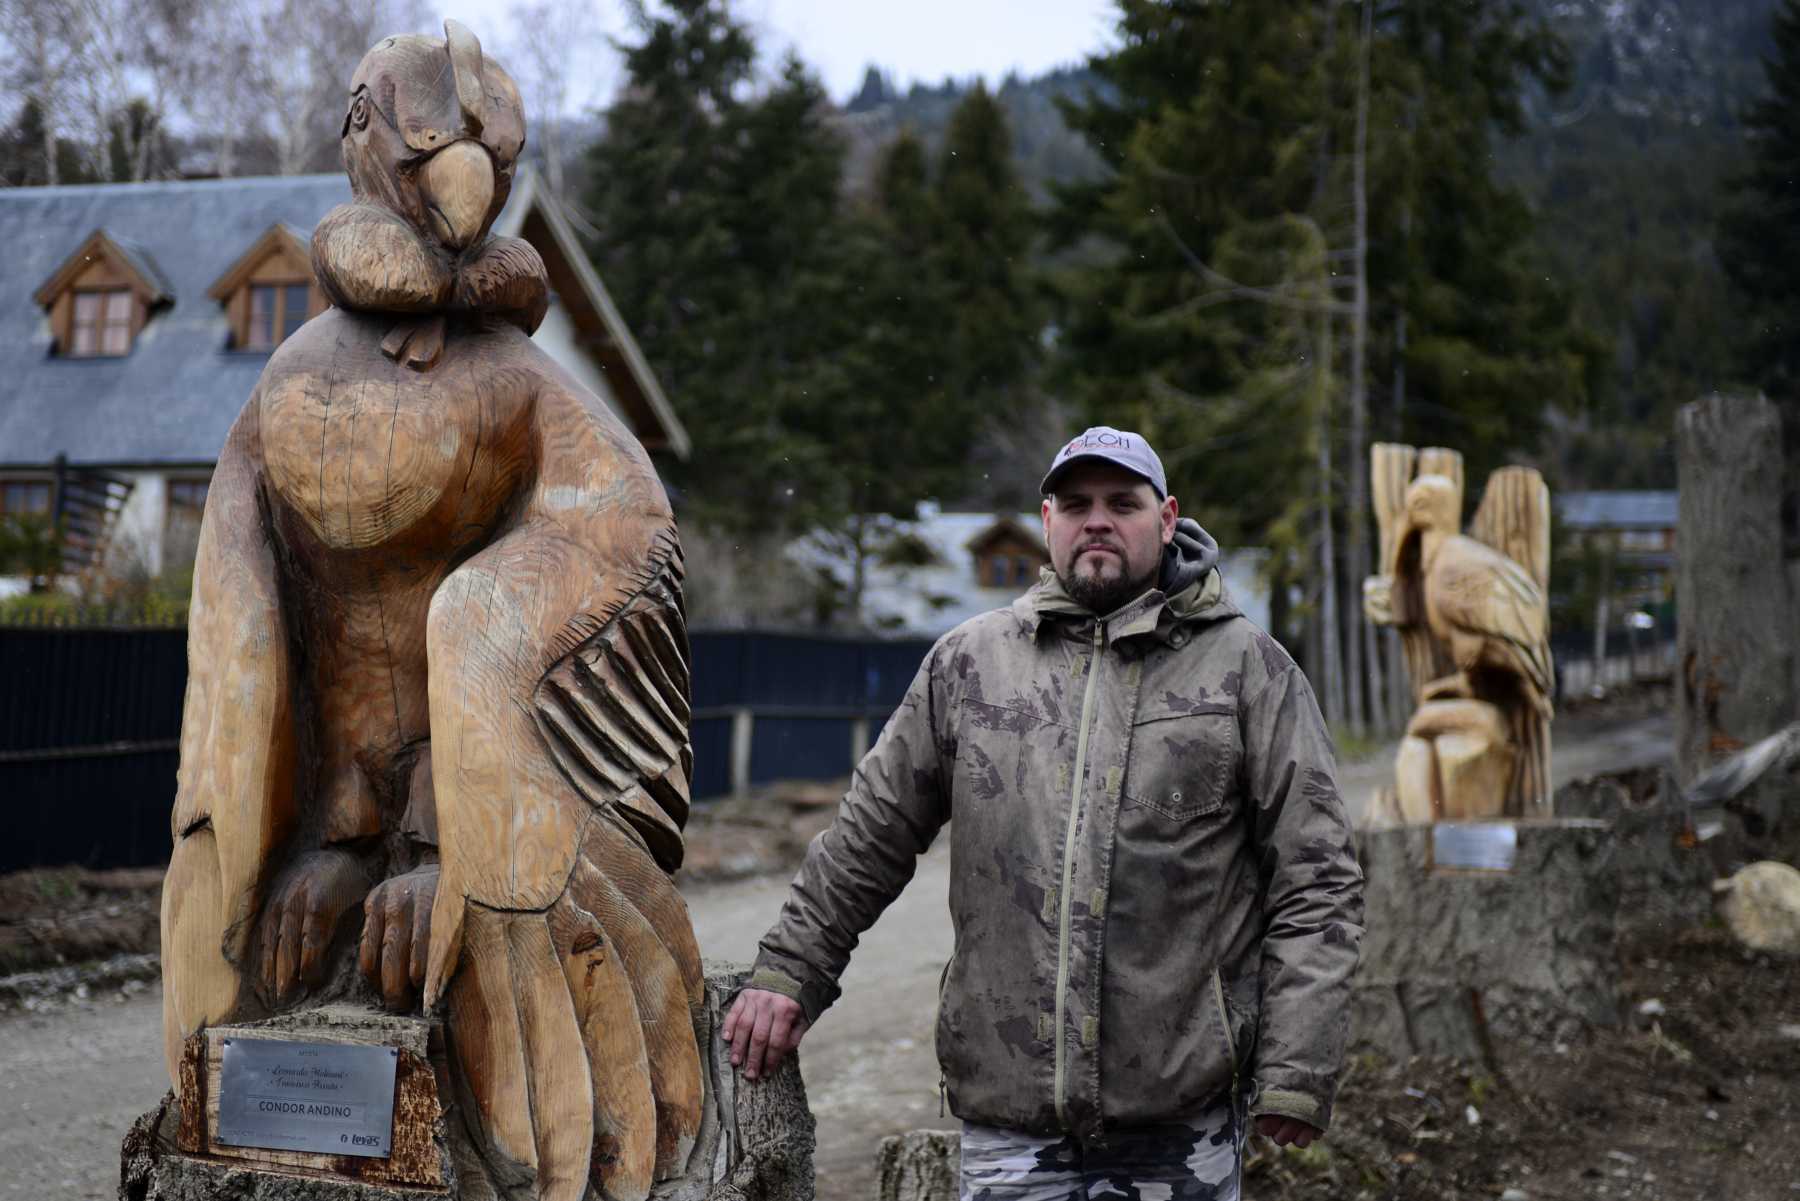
(922, 40)
(929, 39)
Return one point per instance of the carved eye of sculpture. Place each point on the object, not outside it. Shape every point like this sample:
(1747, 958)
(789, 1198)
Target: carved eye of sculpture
(359, 111)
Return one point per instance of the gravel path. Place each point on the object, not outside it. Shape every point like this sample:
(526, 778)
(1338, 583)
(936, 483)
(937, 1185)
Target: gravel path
(80, 1073)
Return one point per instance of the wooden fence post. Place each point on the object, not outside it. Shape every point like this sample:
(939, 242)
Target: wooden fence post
(743, 732)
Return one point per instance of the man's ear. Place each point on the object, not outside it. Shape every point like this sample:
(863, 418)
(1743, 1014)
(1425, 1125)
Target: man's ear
(1044, 512)
(1170, 511)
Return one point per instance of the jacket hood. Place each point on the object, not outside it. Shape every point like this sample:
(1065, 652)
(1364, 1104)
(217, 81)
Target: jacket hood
(1189, 556)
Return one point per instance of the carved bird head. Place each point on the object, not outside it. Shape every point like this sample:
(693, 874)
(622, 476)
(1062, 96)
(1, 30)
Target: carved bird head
(1432, 509)
(431, 134)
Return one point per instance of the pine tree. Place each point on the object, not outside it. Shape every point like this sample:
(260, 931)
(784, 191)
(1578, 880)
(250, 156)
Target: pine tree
(713, 206)
(1759, 241)
(1228, 230)
(801, 340)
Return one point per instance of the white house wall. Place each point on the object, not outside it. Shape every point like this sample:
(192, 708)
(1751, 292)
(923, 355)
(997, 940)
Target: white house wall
(559, 339)
(137, 536)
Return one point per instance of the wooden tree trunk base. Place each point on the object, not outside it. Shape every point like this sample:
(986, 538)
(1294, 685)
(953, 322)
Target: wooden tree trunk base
(920, 1165)
(756, 1140)
(1458, 962)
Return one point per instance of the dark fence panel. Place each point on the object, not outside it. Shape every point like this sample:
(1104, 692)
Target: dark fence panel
(98, 811)
(90, 718)
(87, 686)
(733, 667)
(711, 737)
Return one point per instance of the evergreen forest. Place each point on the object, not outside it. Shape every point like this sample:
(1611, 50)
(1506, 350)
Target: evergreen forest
(1266, 235)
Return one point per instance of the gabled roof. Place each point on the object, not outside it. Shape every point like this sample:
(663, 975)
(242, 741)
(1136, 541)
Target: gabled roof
(1004, 526)
(278, 237)
(578, 286)
(133, 256)
(173, 398)
(1618, 510)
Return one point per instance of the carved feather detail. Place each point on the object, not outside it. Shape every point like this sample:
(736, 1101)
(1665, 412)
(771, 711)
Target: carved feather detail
(614, 710)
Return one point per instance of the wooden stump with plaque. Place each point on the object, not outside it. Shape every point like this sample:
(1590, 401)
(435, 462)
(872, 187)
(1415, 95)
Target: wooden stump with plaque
(341, 1091)
(274, 1110)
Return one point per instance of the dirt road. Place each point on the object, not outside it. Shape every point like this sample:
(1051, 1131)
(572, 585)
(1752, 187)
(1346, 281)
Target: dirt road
(77, 1075)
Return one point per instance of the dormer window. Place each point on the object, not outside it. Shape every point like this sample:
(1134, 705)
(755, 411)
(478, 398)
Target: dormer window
(1007, 571)
(101, 297)
(276, 311)
(268, 293)
(101, 323)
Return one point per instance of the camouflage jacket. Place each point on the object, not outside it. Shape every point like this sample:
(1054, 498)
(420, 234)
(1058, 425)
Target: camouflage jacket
(1152, 882)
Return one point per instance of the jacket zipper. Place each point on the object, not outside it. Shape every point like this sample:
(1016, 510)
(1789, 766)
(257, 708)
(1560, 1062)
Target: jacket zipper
(1068, 877)
(1230, 1042)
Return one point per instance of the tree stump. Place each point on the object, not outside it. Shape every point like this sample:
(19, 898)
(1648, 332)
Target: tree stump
(755, 1143)
(920, 1165)
(1736, 641)
(1457, 962)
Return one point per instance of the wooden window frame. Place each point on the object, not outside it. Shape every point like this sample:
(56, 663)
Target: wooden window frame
(49, 486)
(245, 335)
(130, 323)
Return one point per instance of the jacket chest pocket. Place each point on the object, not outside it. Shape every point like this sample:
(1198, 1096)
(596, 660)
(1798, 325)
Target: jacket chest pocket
(1182, 765)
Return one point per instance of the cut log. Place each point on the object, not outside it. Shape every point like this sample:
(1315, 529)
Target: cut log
(1459, 962)
(1735, 648)
(920, 1165)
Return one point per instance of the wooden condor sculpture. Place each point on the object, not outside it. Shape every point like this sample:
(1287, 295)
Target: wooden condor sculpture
(439, 672)
(1474, 625)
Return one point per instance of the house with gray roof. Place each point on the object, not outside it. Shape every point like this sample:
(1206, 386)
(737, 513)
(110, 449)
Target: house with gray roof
(1637, 529)
(136, 318)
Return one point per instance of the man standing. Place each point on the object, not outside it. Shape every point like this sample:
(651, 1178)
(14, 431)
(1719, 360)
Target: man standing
(1156, 901)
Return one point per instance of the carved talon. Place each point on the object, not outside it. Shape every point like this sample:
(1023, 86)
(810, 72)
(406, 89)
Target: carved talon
(397, 934)
(301, 918)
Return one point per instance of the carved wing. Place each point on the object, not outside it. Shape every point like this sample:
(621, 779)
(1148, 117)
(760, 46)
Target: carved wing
(1496, 614)
(234, 800)
(559, 745)
(1514, 519)
(615, 710)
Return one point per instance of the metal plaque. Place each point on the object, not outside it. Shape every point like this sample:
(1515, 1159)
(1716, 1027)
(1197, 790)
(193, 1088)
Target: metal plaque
(1479, 846)
(335, 1098)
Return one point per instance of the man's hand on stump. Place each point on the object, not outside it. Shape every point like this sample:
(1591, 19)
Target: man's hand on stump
(761, 1028)
(1282, 1131)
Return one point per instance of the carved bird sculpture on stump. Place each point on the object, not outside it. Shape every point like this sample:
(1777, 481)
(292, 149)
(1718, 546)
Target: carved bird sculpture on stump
(439, 672)
(1489, 619)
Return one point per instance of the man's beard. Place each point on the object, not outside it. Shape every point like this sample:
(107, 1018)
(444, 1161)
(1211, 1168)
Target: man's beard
(1101, 597)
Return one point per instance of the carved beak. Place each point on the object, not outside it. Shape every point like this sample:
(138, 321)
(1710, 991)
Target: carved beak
(456, 186)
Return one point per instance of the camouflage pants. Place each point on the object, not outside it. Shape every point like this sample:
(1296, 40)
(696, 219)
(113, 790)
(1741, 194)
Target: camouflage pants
(1199, 1158)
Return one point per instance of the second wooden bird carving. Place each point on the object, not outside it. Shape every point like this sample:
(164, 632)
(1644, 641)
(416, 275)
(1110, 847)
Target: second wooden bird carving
(1473, 616)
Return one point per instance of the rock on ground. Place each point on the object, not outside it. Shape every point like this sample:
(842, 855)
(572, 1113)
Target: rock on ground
(1761, 904)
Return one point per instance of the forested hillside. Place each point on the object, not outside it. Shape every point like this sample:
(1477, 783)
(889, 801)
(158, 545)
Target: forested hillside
(1626, 170)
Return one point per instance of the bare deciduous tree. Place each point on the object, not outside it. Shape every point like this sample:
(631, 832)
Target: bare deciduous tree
(550, 52)
(43, 56)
